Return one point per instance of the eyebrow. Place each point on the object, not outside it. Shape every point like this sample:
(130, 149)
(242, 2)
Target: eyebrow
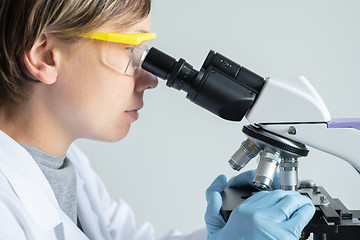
(143, 31)
(140, 30)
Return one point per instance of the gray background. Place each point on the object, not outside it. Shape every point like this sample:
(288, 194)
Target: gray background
(176, 149)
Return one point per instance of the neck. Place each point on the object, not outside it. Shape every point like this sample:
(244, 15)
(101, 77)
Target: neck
(32, 125)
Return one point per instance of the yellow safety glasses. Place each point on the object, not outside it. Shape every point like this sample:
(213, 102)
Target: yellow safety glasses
(124, 52)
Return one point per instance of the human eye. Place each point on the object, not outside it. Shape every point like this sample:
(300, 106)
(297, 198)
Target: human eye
(130, 48)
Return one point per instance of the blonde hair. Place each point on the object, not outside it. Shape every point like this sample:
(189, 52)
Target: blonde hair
(23, 21)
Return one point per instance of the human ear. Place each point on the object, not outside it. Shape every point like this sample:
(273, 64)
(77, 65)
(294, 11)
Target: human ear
(41, 60)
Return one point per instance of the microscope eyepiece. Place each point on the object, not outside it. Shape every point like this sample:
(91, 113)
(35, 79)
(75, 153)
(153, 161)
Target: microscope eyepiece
(159, 63)
(221, 86)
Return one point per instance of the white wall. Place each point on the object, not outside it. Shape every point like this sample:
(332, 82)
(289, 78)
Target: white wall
(176, 149)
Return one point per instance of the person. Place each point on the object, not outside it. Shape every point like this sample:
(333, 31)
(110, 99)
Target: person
(69, 70)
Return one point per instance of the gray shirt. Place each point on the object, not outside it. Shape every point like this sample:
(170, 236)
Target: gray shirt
(60, 173)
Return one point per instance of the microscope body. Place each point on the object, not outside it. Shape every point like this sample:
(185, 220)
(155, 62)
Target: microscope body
(285, 116)
(292, 110)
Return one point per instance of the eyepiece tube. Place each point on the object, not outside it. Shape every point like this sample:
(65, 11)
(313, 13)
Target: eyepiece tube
(159, 63)
(179, 74)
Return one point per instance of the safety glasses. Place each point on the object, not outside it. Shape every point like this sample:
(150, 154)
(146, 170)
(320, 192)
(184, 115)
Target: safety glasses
(123, 52)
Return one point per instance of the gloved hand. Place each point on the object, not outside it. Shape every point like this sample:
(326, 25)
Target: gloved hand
(277, 215)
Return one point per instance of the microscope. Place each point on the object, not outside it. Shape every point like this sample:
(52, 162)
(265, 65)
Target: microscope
(285, 116)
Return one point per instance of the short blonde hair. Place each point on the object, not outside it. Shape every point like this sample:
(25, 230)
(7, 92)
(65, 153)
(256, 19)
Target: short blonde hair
(23, 21)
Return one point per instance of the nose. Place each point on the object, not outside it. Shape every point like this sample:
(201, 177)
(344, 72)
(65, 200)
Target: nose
(146, 80)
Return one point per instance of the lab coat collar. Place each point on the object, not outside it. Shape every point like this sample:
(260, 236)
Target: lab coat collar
(29, 183)
(92, 222)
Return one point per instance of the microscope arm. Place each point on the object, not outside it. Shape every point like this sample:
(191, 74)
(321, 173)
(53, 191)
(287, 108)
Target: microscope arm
(293, 109)
(340, 142)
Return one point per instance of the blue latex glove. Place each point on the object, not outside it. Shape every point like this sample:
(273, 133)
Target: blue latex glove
(277, 215)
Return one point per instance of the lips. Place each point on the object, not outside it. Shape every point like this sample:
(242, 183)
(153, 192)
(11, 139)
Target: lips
(133, 114)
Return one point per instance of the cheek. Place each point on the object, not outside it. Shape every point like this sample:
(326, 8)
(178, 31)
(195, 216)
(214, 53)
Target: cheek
(94, 95)
(89, 82)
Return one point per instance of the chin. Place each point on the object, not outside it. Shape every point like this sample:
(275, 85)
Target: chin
(109, 132)
(117, 134)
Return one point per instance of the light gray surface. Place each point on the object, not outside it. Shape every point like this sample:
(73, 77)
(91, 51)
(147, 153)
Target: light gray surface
(176, 149)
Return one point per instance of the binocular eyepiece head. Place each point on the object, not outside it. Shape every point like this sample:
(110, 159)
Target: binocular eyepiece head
(221, 86)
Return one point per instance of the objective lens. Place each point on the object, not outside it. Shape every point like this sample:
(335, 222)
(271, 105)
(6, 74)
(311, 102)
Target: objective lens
(265, 172)
(247, 151)
(289, 174)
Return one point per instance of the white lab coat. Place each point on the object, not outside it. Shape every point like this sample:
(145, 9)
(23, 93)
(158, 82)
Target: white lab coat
(29, 209)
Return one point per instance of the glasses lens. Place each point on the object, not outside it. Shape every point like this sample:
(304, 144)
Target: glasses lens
(125, 58)
(137, 57)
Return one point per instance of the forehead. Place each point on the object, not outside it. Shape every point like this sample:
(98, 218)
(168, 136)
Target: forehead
(142, 26)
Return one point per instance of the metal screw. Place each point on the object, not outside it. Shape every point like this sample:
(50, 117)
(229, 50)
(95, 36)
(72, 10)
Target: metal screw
(292, 130)
(323, 200)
